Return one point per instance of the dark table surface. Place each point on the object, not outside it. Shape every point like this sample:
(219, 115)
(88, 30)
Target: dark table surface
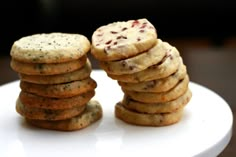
(213, 67)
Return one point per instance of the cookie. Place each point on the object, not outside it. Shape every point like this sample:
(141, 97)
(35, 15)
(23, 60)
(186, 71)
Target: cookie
(152, 108)
(166, 67)
(79, 74)
(92, 113)
(53, 47)
(47, 68)
(159, 85)
(151, 97)
(123, 39)
(32, 100)
(142, 119)
(47, 114)
(64, 90)
(139, 62)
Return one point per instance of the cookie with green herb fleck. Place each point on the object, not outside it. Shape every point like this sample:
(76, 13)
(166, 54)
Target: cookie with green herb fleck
(36, 101)
(166, 67)
(143, 119)
(63, 90)
(139, 62)
(123, 39)
(47, 68)
(152, 108)
(92, 113)
(158, 85)
(53, 47)
(48, 114)
(80, 74)
(153, 97)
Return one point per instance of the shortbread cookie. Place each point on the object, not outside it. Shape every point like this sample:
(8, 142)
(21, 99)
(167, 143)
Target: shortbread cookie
(47, 114)
(79, 74)
(60, 90)
(123, 39)
(46, 68)
(92, 113)
(150, 97)
(158, 119)
(139, 62)
(50, 48)
(152, 108)
(166, 67)
(32, 100)
(159, 85)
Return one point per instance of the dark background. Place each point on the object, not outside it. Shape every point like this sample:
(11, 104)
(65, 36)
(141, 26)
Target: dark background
(214, 20)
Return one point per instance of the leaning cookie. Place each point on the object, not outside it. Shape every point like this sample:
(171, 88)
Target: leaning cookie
(92, 113)
(143, 119)
(50, 48)
(123, 39)
(76, 75)
(152, 108)
(151, 97)
(139, 62)
(158, 85)
(166, 67)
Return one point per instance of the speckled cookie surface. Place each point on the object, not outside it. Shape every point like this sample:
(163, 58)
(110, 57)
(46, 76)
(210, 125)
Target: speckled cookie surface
(80, 74)
(123, 39)
(50, 47)
(93, 112)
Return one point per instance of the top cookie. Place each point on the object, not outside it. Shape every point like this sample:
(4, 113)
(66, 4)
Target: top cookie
(123, 39)
(50, 47)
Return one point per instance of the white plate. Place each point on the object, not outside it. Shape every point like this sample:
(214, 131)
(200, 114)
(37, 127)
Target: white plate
(204, 130)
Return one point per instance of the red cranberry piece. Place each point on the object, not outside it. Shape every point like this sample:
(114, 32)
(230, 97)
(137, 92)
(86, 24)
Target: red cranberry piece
(135, 23)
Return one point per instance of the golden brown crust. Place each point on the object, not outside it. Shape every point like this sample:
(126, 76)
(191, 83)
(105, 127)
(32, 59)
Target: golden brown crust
(32, 100)
(92, 113)
(80, 74)
(142, 119)
(46, 68)
(158, 85)
(63, 90)
(166, 67)
(150, 97)
(153, 108)
(48, 114)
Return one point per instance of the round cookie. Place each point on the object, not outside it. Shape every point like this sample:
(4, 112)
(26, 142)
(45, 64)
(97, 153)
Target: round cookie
(139, 62)
(64, 90)
(142, 119)
(48, 114)
(150, 97)
(53, 47)
(79, 74)
(166, 67)
(123, 39)
(32, 100)
(152, 108)
(92, 113)
(47, 68)
(159, 85)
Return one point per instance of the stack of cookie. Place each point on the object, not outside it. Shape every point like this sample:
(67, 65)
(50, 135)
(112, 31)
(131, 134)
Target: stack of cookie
(55, 82)
(150, 72)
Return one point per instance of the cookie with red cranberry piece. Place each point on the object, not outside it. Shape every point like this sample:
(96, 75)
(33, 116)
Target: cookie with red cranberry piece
(123, 39)
(139, 62)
